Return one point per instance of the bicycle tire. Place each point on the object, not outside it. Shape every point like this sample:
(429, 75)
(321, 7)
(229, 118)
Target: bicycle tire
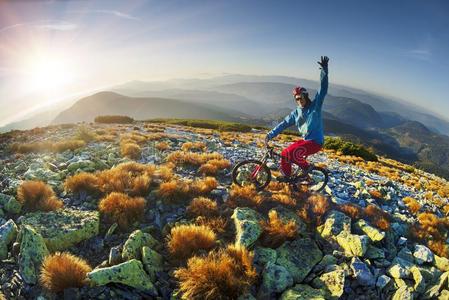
(324, 171)
(235, 172)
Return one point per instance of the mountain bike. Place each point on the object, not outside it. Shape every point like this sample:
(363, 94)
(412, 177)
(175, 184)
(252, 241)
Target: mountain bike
(256, 172)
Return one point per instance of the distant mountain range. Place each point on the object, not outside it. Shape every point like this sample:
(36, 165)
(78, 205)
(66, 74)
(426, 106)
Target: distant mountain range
(392, 127)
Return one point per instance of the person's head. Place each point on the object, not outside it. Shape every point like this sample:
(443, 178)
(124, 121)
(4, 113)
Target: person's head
(301, 96)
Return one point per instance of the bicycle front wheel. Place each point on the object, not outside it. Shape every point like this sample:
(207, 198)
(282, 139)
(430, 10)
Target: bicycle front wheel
(314, 181)
(253, 172)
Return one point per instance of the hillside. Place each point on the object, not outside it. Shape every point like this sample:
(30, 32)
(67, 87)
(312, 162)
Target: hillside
(110, 103)
(149, 211)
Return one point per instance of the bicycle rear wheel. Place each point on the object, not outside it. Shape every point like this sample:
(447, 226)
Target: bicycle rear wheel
(253, 172)
(314, 181)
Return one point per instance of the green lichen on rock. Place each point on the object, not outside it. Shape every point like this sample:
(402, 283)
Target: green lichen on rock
(275, 280)
(299, 257)
(10, 204)
(153, 262)
(372, 232)
(332, 283)
(247, 226)
(64, 228)
(130, 273)
(442, 263)
(352, 244)
(403, 293)
(32, 252)
(262, 255)
(335, 223)
(8, 233)
(303, 292)
(135, 242)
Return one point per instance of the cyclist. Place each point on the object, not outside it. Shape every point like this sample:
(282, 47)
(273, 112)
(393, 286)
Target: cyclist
(307, 118)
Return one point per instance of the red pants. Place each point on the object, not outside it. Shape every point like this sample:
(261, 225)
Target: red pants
(297, 153)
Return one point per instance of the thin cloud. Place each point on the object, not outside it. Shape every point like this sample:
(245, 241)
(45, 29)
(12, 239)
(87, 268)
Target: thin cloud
(43, 24)
(115, 13)
(420, 54)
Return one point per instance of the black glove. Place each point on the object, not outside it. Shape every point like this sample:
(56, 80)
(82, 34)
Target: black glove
(324, 62)
(267, 139)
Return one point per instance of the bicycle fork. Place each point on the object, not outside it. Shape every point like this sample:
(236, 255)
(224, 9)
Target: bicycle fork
(257, 169)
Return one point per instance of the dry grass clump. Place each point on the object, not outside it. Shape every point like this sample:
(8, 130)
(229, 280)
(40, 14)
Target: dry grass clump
(377, 217)
(195, 146)
(276, 232)
(187, 240)
(217, 224)
(182, 158)
(438, 247)
(208, 169)
(130, 150)
(162, 146)
(177, 190)
(67, 145)
(376, 194)
(122, 209)
(244, 196)
(353, 211)
(60, 271)
(284, 198)
(211, 167)
(82, 182)
(85, 134)
(131, 178)
(37, 196)
(202, 206)
(50, 146)
(223, 274)
(164, 172)
(412, 204)
(313, 209)
(204, 186)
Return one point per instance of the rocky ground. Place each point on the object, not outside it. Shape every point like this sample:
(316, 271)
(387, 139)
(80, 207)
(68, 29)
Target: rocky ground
(341, 256)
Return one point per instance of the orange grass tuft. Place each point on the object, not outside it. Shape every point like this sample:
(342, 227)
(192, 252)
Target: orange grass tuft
(60, 271)
(412, 204)
(121, 208)
(313, 209)
(208, 169)
(377, 217)
(276, 232)
(130, 150)
(82, 182)
(352, 210)
(223, 274)
(198, 146)
(202, 206)
(244, 196)
(440, 248)
(217, 224)
(186, 240)
(37, 196)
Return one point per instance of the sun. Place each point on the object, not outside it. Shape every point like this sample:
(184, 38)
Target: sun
(48, 73)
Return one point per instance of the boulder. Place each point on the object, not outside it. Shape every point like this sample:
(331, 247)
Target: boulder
(332, 283)
(335, 223)
(8, 233)
(423, 254)
(352, 244)
(442, 263)
(262, 255)
(153, 262)
(135, 242)
(299, 257)
(61, 229)
(247, 226)
(420, 284)
(373, 233)
(32, 253)
(398, 271)
(382, 281)
(403, 293)
(275, 280)
(374, 253)
(130, 273)
(10, 204)
(303, 292)
(362, 273)
(434, 290)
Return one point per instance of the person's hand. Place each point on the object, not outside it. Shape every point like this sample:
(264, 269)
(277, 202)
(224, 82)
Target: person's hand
(324, 62)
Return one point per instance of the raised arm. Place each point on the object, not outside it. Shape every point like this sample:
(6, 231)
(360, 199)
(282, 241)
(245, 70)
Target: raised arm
(324, 81)
(287, 122)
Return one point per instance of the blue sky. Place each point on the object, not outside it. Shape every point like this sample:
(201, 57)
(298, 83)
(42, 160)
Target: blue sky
(390, 47)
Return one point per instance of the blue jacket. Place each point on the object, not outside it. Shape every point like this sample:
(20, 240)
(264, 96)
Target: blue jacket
(308, 119)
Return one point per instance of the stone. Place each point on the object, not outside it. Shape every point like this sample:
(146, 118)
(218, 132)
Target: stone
(352, 244)
(303, 292)
(423, 254)
(115, 257)
(298, 257)
(135, 242)
(8, 233)
(332, 283)
(335, 223)
(373, 233)
(153, 262)
(382, 281)
(442, 263)
(64, 228)
(32, 253)
(406, 254)
(398, 271)
(403, 293)
(264, 255)
(374, 253)
(276, 279)
(420, 284)
(435, 290)
(286, 215)
(12, 206)
(362, 273)
(247, 224)
(130, 273)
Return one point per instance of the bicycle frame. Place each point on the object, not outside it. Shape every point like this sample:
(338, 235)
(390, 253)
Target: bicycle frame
(269, 153)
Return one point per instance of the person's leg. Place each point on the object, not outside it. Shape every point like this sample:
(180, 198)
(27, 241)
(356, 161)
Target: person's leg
(287, 156)
(301, 152)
